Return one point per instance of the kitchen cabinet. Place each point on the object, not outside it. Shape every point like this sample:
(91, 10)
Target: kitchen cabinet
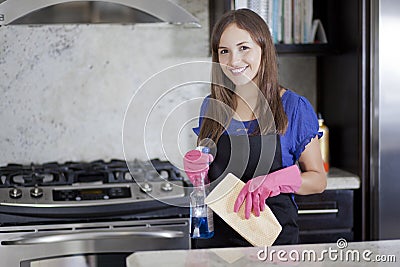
(327, 217)
(341, 87)
(342, 93)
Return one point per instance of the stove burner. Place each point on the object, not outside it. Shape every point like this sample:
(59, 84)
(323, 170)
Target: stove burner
(71, 172)
(31, 178)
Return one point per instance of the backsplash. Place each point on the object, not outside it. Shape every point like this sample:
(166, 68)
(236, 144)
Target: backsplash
(65, 88)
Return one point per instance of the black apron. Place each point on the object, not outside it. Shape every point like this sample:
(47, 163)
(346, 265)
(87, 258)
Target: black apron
(248, 157)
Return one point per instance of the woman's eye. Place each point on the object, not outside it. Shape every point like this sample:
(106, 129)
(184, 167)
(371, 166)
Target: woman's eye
(223, 51)
(243, 48)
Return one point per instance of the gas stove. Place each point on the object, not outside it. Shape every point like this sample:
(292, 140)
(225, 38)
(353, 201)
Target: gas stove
(96, 188)
(98, 208)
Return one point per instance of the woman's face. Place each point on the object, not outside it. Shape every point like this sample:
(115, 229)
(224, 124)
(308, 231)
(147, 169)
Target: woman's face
(239, 56)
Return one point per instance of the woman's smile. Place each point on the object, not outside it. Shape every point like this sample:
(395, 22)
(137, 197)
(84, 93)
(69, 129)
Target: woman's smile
(238, 71)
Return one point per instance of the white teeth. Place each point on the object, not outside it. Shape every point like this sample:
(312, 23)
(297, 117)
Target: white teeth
(238, 70)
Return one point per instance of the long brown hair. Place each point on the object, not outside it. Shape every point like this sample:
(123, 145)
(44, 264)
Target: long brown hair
(269, 108)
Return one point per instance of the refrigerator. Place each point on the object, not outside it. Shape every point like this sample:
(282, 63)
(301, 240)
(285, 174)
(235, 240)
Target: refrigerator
(384, 184)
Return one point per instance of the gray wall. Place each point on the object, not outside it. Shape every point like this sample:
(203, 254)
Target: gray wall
(65, 88)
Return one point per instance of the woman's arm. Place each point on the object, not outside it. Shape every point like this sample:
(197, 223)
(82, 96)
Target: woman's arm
(313, 175)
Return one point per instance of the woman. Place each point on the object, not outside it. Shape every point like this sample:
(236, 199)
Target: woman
(249, 114)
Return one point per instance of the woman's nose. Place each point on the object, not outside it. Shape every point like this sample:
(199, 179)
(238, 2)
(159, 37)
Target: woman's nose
(235, 59)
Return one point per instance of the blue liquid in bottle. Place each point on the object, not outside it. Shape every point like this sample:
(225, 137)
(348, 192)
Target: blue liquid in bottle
(201, 216)
(199, 228)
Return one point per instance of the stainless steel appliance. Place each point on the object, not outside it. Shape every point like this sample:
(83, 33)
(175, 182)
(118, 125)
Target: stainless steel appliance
(93, 11)
(100, 211)
(384, 120)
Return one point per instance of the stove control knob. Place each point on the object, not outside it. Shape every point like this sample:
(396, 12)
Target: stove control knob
(146, 187)
(36, 192)
(166, 187)
(15, 193)
(164, 174)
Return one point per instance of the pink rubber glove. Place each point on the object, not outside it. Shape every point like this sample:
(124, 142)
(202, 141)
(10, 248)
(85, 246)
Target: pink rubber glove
(196, 165)
(258, 189)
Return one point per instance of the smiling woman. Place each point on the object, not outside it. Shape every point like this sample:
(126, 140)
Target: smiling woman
(281, 130)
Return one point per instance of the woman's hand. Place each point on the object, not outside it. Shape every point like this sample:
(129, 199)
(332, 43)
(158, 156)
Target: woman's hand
(196, 165)
(257, 190)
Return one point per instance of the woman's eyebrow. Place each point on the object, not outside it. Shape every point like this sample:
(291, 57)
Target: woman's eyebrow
(241, 43)
(238, 44)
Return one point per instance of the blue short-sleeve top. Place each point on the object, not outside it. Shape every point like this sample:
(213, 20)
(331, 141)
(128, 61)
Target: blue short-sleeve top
(302, 126)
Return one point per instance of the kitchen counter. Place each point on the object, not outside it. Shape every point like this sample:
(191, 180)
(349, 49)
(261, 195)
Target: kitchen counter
(373, 253)
(340, 179)
(336, 178)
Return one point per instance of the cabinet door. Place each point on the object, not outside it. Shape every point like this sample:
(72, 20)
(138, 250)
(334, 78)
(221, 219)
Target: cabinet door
(326, 217)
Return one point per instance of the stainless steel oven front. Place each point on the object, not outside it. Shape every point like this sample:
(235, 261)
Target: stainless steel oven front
(89, 244)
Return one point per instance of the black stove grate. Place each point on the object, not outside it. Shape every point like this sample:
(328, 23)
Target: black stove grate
(71, 172)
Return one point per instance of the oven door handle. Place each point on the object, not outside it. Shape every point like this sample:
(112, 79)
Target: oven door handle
(90, 235)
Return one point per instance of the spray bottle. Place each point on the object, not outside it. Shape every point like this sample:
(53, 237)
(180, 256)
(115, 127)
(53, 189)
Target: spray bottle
(201, 216)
